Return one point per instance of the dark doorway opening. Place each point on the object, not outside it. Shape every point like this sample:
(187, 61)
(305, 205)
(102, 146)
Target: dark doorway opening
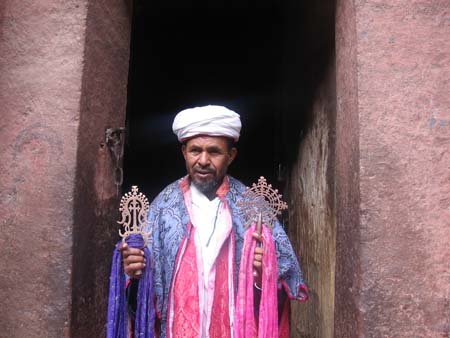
(185, 56)
(273, 63)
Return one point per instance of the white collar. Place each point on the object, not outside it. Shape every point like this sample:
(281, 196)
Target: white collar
(200, 200)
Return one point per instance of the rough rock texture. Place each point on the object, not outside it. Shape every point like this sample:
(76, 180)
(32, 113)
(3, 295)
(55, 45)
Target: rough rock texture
(308, 119)
(63, 68)
(41, 61)
(392, 270)
(102, 105)
(347, 274)
(312, 217)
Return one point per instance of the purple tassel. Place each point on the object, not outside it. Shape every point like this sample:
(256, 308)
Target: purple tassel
(117, 303)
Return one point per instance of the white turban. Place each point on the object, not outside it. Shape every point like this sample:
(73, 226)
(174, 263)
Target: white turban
(207, 120)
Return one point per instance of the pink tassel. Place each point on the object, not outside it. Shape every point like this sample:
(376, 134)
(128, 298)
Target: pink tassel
(245, 325)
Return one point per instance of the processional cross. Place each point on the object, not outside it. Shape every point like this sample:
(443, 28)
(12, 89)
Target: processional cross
(134, 207)
(261, 204)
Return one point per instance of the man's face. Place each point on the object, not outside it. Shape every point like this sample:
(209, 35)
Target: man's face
(207, 160)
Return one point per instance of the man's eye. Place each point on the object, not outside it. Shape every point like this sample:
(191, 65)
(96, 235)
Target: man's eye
(195, 151)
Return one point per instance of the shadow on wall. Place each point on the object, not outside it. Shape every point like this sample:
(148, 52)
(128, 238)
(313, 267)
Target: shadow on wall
(310, 161)
(308, 52)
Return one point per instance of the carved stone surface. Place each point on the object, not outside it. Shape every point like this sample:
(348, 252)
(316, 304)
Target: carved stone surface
(312, 227)
(393, 132)
(41, 64)
(63, 81)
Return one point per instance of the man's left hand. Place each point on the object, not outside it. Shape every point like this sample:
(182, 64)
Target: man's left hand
(257, 261)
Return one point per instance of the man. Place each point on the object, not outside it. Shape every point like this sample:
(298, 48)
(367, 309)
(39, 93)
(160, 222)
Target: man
(198, 232)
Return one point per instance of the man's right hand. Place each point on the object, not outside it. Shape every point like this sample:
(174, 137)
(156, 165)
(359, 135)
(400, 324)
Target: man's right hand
(133, 261)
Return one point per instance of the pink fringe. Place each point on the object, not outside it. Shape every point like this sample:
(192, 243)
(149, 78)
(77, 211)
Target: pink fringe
(245, 325)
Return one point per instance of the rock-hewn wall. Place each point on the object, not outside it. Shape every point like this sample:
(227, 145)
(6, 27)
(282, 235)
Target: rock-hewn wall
(311, 216)
(307, 138)
(393, 70)
(41, 63)
(347, 278)
(102, 105)
(63, 68)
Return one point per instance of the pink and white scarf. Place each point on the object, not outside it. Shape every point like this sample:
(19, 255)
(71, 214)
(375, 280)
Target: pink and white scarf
(245, 325)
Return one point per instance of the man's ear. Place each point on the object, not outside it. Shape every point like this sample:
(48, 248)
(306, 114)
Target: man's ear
(233, 154)
(183, 150)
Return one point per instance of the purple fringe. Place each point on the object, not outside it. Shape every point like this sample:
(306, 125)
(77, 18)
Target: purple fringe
(117, 302)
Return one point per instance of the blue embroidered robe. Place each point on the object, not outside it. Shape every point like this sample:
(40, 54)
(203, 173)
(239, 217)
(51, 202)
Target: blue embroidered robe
(168, 218)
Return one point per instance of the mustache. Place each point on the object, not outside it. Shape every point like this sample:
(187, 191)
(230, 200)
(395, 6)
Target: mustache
(204, 170)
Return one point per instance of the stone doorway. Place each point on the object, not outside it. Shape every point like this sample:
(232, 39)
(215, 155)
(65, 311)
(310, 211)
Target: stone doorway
(274, 64)
(372, 159)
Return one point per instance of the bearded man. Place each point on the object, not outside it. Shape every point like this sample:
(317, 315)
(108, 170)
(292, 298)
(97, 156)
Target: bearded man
(198, 236)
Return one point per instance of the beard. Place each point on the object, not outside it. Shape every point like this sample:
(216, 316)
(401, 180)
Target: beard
(207, 188)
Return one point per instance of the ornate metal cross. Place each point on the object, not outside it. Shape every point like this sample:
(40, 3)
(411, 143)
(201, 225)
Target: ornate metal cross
(134, 207)
(261, 203)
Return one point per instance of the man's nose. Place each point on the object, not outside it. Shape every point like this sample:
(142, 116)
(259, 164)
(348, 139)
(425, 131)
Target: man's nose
(203, 159)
